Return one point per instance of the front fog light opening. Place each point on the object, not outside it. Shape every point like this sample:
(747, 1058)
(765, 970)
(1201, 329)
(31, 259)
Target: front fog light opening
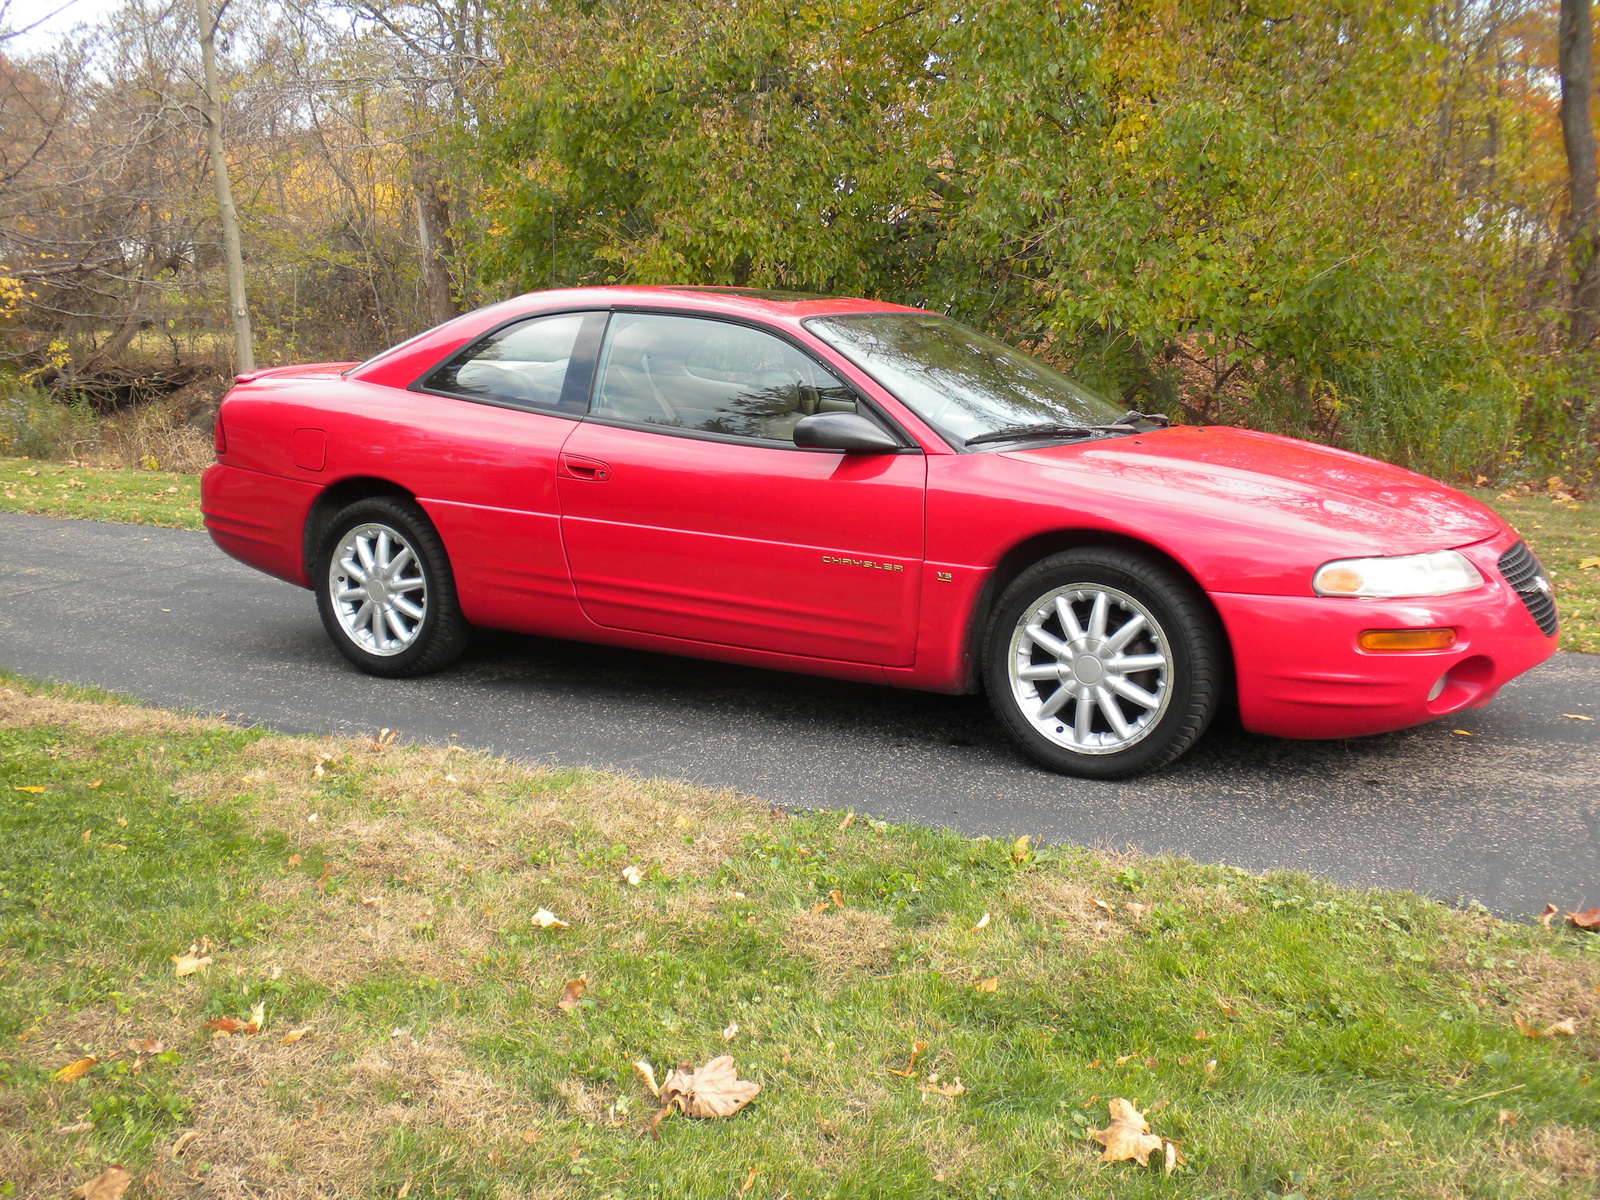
(1468, 684)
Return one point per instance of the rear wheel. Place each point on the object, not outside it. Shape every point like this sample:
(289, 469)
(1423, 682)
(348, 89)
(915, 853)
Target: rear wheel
(1101, 663)
(385, 590)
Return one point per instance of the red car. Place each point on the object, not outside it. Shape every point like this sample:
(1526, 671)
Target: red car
(862, 490)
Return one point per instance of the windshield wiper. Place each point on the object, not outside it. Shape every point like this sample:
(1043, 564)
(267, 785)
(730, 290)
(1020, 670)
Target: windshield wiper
(1123, 424)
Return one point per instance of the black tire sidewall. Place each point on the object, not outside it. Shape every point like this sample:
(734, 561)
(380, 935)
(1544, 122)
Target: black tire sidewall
(1193, 638)
(426, 653)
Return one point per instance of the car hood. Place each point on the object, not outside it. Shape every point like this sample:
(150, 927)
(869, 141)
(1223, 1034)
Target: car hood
(1330, 497)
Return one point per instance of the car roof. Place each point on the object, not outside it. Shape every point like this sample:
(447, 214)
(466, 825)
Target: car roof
(768, 302)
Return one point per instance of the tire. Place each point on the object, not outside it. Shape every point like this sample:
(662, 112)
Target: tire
(416, 625)
(1110, 695)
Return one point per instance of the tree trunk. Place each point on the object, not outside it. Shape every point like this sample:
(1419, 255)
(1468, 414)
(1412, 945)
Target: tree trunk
(433, 231)
(244, 355)
(1575, 35)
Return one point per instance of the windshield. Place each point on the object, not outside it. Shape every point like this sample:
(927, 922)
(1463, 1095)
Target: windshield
(959, 381)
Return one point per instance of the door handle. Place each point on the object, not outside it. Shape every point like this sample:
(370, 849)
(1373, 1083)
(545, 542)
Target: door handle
(591, 469)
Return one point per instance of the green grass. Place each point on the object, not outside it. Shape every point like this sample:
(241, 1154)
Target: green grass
(1296, 1038)
(1563, 535)
(54, 489)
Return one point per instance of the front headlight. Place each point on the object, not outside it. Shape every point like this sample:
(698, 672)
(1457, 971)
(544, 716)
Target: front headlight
(1438, 574)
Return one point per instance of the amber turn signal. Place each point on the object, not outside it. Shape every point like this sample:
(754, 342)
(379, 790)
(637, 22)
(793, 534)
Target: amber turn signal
(1408, 639)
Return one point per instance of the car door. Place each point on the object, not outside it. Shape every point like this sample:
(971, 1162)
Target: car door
(688, 511)
(485, 456)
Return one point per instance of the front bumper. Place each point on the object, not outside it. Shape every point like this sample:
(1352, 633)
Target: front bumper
(1302, 674)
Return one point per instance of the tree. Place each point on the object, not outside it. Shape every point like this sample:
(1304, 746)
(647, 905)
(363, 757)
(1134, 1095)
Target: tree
(244, 354)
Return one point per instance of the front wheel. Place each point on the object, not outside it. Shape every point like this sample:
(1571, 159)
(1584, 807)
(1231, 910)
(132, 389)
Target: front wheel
(385, 590)
(1101, 663)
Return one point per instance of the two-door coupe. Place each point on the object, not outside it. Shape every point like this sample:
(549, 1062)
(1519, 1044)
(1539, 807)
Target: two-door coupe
(873, 492)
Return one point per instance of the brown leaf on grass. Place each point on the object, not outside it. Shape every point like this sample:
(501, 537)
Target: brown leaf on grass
(228, 1026)
(991, 984)
(1548, 915)
(647, 1075)
(108, 1185)
(911, 1065)
(1127, 1136)
(294, 1035)
(848, 820)
(145, 1046)
(75, 1069)
(634, 874)
(185, 1140)
(952, 1089)
(1506, 1117)
(295, 860)
(1564, 1028)
(75, 1127)
(1104, 905)
(572, 994)
(983, 923)
(322, 880)
(1589, 918)
(837, 897)
(715, 1090)
(545, 919)
(731, 1031)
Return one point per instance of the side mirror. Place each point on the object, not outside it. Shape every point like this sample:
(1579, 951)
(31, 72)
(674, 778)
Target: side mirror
(850, 432)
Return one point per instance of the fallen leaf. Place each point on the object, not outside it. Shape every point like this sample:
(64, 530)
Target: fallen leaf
(1506, 1117)
(715, 1090)
(185, 1140)
(75, 1127)
(145, 1046)
(1137, 910)
(1589, 564)
(322, 880)
(258, 1016)
(1548, 915)
(228, 1026)
(108, 1185)
(849, 818)
(1563, 1028)
(1576, 717)
(983, 922)
(294, 860)
(990, 984)
(122, 821)
(647, 1074)
(1462, 732)
(572, 994)
(87, 834)
(1589, 918)
(1126, 1058)
(1127, 1135)
(32, 787)
(1526, 1030)
(369, 901)
(951, 1089)
(1104, 905)
(1200, 1035)
(545, 919)
(749, 1180)
(188, 964)
(837, 897)
(294, 1035)
(1020, 853)
(74, 1069)
(731, 1031)
(633, 875)
(911, 1065)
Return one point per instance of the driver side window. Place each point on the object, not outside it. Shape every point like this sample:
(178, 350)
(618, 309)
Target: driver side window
(711, 376)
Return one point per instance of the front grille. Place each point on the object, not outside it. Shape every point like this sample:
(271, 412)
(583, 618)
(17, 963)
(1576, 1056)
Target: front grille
(1527, 577)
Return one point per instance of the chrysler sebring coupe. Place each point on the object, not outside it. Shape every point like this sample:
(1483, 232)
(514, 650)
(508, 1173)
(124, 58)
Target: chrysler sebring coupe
(871, 492)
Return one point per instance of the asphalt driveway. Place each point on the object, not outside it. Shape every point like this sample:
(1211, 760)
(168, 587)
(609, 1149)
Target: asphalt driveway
(1509, 816)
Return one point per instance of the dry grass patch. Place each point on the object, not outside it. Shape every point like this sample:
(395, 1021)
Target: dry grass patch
(842, 943)
(21, 709)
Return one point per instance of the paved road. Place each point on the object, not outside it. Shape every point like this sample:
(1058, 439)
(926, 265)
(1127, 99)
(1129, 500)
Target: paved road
(1509, 816)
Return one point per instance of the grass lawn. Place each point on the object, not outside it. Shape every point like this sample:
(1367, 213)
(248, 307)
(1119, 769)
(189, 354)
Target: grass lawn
(1292, 1038)
(55, 489)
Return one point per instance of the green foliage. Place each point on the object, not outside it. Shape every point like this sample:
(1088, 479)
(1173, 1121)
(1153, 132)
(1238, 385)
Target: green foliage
(37, 425)
(1280, 220)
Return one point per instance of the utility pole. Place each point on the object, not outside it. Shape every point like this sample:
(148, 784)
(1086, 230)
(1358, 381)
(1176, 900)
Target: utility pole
(244, 355)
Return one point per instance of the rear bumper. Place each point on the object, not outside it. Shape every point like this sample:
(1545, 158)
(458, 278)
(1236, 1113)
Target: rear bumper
(258, 519)
(1302, 674)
